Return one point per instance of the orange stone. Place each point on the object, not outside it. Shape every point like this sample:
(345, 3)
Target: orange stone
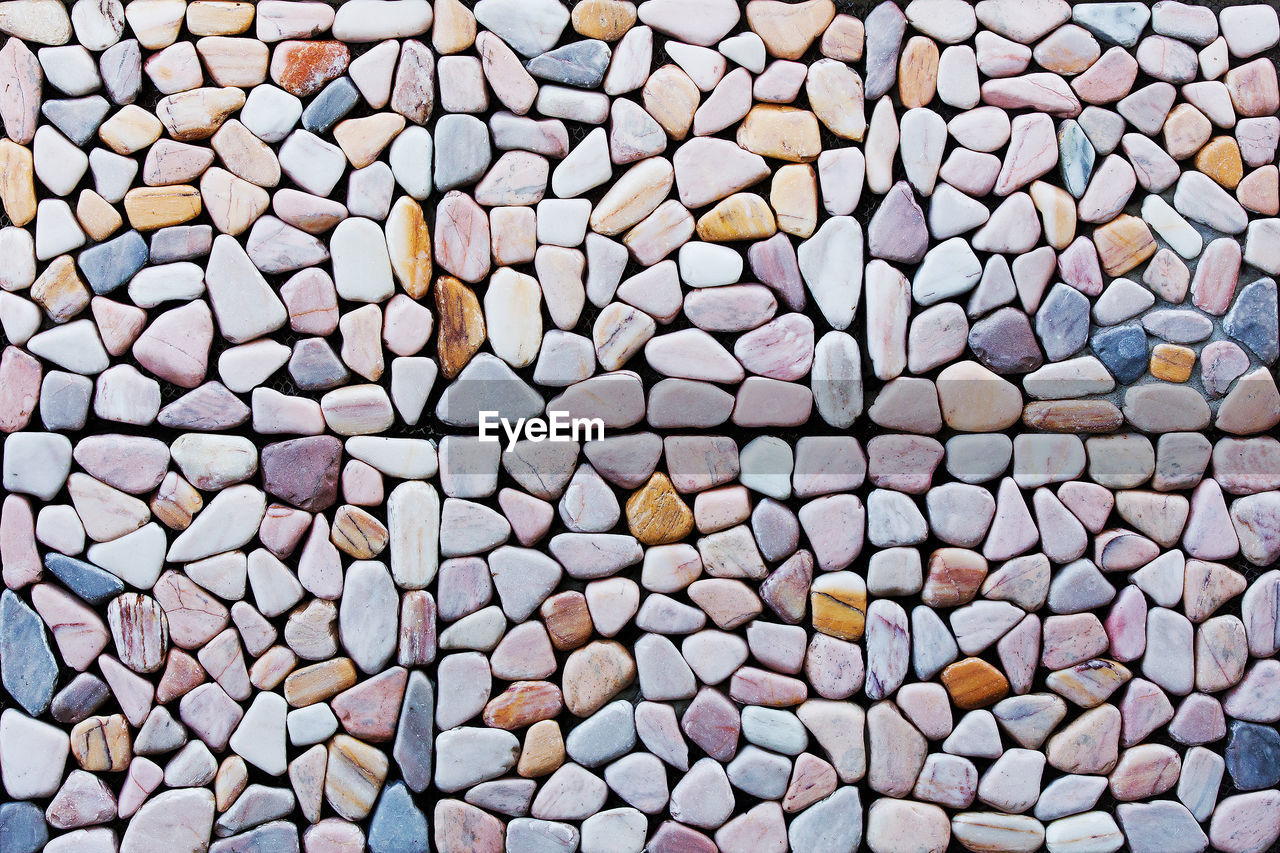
(1172, 363)
(1220, 160)
(302, 68)
(656, 515)
(973, 683)
(319, 682)
(460, 330)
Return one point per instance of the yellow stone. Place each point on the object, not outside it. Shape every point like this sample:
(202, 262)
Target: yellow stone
(130, 130)
(918, 72)
(1123, 243)
(783, 133)
(176, 501)
(794, 196)
(17, 182)
(362, 139)
(656, 515)
(59, 290)
(543, 750)
(409, 245)
(357, 534)
(839, 604)
(1220, 160)
(607, 20)
(671, 98)
(1172, 363)
(97, 217)
(218, 17)
(1057, 212)
(460, 330)
(319, 682)
(454, 28)
(787, 29)
(149, 208)
(102, 744)
(741, 216)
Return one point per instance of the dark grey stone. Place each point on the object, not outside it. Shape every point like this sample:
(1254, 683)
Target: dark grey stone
(1122, 350)
(108, 265)
(315, 367)
(582, 63)
(1253, 320)
(79, 699)
(1075, 157)
(279, 836)
(1253, 755)
(328, 108)
(28, 669)
(398, 825)
(1004, 342)
(1062, 323)
(84, 579)
(77, 118)
(209, 407)
(885, 27)
(22, 828)
(412, 749)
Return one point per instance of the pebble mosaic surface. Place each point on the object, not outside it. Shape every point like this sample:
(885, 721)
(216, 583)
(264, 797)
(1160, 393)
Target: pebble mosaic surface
(933, 343)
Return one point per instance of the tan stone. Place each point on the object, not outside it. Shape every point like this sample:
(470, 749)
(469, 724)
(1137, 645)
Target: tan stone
(594, 674)
(234, 61)
(460, 325)
(671, 98)
(607, 20)
(17, 182)
(523, 704)
(1084, 416)
(1058, 213)
(974, 399)
(130, 130)
(741, 216)
(409, 245)
(839, 604)
(1185, 130)
(843, 39)
(319, 682)
(656, 515)
(353, 776)
(794, 197)
(149, 208)
(787, 29)
(96, 215)
(1123, 243)
(59, 290)
(357, 534)
(176, 502)
(102, 744)
(783, 133)
(362, 139)
(1259, 191)
(918, 72)
(453, 29)
(218, 17)
(543, 750)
